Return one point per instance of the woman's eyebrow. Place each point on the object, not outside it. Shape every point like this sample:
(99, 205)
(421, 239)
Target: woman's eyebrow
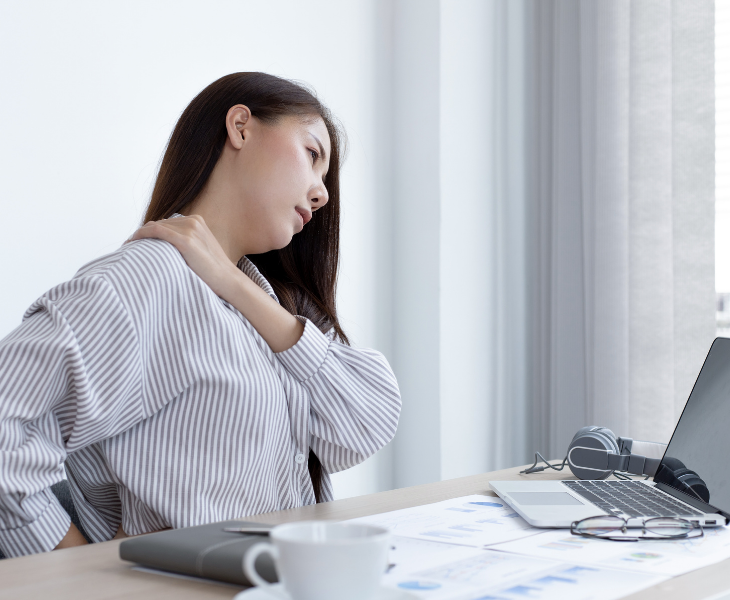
(322, 153)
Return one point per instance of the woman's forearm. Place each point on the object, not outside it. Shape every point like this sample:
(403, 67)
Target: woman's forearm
(275, 324)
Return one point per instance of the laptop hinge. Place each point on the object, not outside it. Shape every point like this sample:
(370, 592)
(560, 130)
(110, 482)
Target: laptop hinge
(695, 502)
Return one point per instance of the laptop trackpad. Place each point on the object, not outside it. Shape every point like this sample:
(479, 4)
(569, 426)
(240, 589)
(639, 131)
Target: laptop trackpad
(544, 498)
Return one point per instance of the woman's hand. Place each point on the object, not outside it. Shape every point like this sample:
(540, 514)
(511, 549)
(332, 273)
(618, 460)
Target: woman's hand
(198, 246)
(204, 255)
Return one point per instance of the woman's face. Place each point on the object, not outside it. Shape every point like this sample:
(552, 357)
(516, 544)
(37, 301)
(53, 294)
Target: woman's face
(278, 177)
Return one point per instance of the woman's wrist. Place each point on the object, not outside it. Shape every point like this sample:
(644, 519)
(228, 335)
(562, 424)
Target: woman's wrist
(232, 284)
(280, 329)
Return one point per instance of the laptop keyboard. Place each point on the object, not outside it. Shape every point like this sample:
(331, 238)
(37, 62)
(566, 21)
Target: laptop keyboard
(631, 498)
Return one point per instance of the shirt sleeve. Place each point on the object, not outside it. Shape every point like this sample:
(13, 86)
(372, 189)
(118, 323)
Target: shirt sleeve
(69, 376)
(354, 398)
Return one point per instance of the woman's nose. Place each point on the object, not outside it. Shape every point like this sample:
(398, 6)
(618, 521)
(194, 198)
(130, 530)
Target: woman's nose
(319, 197)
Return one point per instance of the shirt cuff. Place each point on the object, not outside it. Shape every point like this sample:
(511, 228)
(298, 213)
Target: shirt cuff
(305, 357)
(41, 535)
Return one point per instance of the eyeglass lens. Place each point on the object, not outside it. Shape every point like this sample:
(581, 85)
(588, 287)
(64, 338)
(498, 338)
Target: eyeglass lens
(660, 526)
(599, 525)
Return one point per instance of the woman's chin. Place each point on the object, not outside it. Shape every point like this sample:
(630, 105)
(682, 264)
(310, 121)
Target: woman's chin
(274, 241)
(282, 241)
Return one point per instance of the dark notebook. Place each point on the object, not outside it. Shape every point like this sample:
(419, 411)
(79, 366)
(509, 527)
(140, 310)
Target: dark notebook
(202, 551)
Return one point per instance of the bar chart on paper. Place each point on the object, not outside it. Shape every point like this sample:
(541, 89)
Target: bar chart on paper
(492, 575)
(471, 521)
(670, 557)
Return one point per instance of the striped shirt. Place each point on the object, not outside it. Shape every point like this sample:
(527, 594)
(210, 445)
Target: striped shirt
(168, 408)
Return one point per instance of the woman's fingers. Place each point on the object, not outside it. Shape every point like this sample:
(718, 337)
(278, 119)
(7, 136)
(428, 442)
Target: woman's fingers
(156, 229)
(170, 230)
(192, 227)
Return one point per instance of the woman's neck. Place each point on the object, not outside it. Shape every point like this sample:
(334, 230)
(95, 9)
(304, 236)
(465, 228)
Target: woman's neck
(219, 225)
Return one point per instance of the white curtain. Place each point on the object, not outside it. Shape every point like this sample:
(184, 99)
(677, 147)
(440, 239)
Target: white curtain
(621, 224)
(551, 181)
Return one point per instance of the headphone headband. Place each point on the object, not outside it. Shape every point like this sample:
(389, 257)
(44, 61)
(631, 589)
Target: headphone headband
(596, 459)
(596, 452)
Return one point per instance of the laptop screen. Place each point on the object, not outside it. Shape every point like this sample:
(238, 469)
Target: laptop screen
(697, 460)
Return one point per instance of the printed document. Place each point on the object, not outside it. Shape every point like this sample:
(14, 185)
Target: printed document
(444, 551)
(428, 570)
(670, 557)
(469, 521)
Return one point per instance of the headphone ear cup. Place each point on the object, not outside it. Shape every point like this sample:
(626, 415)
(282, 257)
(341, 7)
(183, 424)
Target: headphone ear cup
(673, 464)
(599, 438)
(581, 432)
(673, 473)
(610, 438)
(693, 480)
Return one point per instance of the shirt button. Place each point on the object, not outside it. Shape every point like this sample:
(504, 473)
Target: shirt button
(300, 458)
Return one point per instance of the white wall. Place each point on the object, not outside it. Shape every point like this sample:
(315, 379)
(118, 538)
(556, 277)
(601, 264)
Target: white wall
(91, 92)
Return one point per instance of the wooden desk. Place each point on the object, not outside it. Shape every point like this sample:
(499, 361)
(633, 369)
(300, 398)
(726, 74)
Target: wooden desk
(96, 572)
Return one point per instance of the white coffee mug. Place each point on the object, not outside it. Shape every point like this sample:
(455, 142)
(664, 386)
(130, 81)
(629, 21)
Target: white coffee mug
(320, 560)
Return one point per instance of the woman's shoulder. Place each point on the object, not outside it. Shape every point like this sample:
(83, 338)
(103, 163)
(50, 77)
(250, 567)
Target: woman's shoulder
(139, 278)
(149, 267)
(145, 255)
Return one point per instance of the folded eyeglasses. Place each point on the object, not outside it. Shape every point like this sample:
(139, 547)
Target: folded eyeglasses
(609, 527)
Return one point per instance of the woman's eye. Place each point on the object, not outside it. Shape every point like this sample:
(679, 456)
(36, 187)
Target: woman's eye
(315, 155)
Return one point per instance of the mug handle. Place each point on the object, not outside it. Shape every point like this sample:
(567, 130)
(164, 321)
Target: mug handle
(249, 562)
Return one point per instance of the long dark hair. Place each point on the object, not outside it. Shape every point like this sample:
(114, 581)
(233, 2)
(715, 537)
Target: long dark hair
(304, 273)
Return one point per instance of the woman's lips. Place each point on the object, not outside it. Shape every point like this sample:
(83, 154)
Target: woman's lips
(304, 215)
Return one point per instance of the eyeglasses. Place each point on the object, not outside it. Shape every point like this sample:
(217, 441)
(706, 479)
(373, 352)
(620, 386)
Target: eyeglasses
(607, 527)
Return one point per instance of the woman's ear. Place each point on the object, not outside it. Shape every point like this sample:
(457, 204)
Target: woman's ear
(238, 119)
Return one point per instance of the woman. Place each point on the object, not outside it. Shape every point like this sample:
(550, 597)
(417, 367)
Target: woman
(199, 372)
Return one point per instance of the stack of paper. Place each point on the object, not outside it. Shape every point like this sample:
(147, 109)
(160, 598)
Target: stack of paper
(478, 548)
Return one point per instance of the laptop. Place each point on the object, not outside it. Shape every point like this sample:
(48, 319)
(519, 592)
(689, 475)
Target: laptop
(701, 442)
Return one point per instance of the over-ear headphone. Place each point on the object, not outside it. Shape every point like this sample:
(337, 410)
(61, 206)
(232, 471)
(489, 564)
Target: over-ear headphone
(596, 452)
